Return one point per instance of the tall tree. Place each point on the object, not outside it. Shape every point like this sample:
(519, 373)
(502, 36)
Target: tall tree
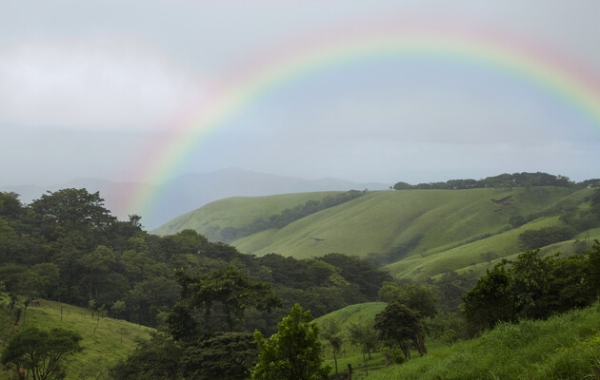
(364, 336)
(293, 353)
(399, 324)
(229, 287)
(491, 300)
(70, 210)
(331, 333)
(42, 353)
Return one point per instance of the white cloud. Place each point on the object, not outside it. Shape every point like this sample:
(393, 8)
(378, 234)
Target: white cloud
(94, 82)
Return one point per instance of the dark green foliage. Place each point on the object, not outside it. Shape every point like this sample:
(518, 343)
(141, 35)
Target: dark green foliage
(412, 304)
(582, 219)
(403, 186)
(500, 181)
(202, 327)
(10, 206)
(450, 287)
(182, 325)
(293, 353)
(491, 300)
(532, 287)
(398, 324)
(227, 356)
(42, 353)
(399, 251)
(533, 239)
(517, 221)
(67, 247)
(229, 287)
(360, 271)
(17, 280)
(157, 358)
(73, 210)
(320, 285)
(594, 266)
(595, 200)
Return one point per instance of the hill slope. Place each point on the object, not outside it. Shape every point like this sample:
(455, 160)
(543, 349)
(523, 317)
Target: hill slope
(105, 340)
(425, 232)
(211, 219)
(562, 347)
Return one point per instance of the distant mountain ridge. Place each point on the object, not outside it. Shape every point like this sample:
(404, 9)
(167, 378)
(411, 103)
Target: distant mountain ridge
(192, 191)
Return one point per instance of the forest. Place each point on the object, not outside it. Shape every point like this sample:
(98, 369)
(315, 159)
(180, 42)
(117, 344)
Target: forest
(506, 180)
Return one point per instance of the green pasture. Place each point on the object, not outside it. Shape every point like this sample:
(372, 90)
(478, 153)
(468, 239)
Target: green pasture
(105, 340)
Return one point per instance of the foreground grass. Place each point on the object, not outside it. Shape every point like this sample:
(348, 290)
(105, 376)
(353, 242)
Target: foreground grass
(105, 340)
(563, 347)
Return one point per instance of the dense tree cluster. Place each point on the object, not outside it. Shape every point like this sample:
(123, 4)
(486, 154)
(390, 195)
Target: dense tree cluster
(533, 239)
(533, 287)
(505, 181)
(67, 247)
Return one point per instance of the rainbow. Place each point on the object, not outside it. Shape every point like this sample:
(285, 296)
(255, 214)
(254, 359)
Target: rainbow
(532, 64)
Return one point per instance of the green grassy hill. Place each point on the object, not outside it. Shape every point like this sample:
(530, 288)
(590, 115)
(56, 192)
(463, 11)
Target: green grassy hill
(105, 340)
(235, 212)
(427, 232)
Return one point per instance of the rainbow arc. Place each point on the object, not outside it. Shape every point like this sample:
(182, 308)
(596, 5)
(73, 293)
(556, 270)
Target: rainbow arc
(531, 64)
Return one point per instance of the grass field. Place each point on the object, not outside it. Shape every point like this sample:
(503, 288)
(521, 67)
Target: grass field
(105, 340)
(562, 347)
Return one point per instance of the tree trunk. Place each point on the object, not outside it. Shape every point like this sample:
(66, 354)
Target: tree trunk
(335, 361)
(405, 349)
(421, 345)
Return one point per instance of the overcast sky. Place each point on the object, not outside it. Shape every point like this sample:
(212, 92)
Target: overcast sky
(87, 87)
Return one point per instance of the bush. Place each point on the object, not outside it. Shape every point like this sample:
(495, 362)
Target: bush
(534, 239)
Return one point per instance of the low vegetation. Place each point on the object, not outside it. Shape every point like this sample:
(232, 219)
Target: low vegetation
(563, 347)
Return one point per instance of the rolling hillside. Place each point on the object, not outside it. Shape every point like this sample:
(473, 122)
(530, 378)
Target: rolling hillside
(105, 340)
(424, 232)
(236, 212)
